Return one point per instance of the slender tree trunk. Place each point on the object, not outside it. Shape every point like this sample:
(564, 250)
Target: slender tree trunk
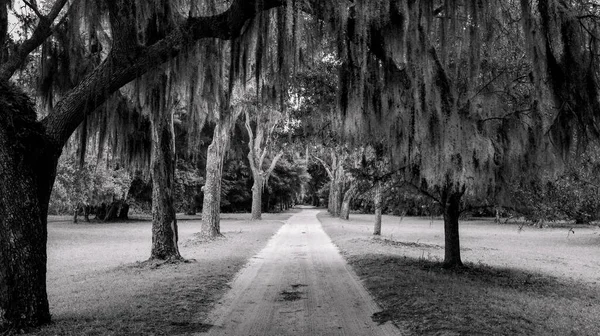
(86, 213)
(75, 213)
(348, 197)
(211, 208)
(257, 152)
(377, 201)
(257, 196)
(27, 171)
(164, 222)
(451, 229)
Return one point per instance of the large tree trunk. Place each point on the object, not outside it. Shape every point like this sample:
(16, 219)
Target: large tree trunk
(211, 208)
(348, 197)
(335, 199)
(164, 223)
(451, 207)
(257, 196)
(27, 171)
(377, 201)
(337, 196)
(331, 199)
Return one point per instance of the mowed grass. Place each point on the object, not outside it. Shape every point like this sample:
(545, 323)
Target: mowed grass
(516, 282)
(99, 285)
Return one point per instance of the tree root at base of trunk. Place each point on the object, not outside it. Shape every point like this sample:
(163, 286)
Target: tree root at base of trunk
(202, 238)
(154, 263)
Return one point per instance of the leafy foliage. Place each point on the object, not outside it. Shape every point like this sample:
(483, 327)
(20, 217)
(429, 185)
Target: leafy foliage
(285, 184)
(317, 188)
(188, 182)
(572, 195)
(236, 188)
(87, 183)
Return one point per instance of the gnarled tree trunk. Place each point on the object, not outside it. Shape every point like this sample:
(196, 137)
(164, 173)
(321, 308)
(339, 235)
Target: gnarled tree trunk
(348, 197)
(27, 172)
(162, 162)
(377, 203)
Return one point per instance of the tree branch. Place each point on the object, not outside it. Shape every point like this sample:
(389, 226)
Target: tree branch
(116, 70)
(424, 192)
(230, 23)
(41, 32)
(329, 172)
(475, 207)
(504, 117)
(34, 8)
(272, 166)
(251, 154)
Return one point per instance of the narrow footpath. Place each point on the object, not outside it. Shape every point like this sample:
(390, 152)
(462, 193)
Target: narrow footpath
(299, 284)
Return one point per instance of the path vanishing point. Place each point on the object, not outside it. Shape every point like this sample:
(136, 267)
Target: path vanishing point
(299, 284)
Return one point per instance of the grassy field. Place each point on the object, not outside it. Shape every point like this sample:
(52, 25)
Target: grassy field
(518, 281)
(97, 285)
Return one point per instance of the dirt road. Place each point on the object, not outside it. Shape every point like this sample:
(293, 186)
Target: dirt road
(298, 284)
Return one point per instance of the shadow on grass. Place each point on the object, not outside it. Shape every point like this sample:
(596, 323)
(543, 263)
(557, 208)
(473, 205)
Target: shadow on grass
(423, 297)
(389, 242)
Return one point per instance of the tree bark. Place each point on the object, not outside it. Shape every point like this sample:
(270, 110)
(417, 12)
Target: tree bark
(451, 205)
(211, 206)
(257, 187)
(348, 197)
(27, 171)
(377, 201)
(336, 195)
(331, 198)
(212, 188)
(164, 222)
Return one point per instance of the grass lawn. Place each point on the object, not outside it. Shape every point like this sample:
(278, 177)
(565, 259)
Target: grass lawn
(517, 282)
(97, 285)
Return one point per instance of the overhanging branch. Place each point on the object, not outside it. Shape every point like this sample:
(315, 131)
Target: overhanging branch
(116, 70)
(42, 31)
